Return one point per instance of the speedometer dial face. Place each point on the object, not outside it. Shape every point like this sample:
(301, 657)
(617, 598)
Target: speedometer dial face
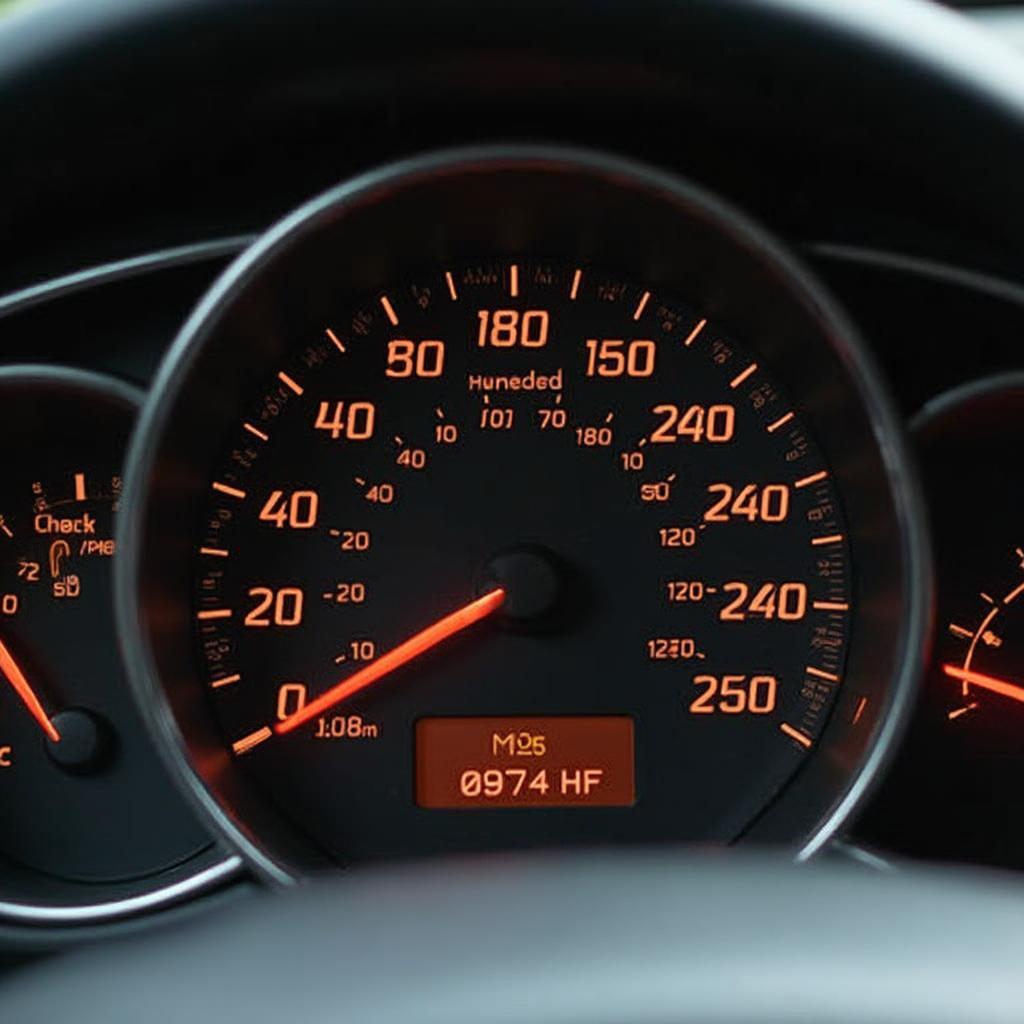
(464, 547)
(667, 543)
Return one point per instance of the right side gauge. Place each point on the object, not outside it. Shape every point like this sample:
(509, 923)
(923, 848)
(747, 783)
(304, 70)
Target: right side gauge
(955, 791)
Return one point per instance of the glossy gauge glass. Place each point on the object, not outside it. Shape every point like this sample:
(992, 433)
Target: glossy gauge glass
(92, 825)
(465, 518)
(953, 791)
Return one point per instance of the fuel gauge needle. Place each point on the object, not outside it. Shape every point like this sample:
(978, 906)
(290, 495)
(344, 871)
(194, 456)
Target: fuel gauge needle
(1014, 691)
(398, 656)
(24, 690)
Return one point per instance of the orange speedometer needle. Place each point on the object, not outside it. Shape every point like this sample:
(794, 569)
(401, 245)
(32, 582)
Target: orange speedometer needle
(21, 685)
(1014, 691)
(398, 656)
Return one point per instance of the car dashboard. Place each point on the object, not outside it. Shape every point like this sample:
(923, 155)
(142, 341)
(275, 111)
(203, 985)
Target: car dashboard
(537, 441)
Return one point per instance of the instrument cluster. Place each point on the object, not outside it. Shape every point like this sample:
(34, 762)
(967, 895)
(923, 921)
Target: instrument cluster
(500, 498)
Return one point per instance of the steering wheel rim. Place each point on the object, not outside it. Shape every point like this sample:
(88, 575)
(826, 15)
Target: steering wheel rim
(649, 938)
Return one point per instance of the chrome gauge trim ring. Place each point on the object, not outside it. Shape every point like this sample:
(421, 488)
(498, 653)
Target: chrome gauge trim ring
(209, 878)
(911, 607)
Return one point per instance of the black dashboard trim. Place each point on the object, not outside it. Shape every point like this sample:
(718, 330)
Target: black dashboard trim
(119, 270)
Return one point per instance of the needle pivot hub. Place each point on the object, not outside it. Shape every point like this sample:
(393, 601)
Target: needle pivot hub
(85, 743)
(531, 580)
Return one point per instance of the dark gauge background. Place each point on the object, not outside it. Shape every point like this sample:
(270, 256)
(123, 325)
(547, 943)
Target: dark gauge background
(955, 790)
(107, 823)
(443, 211)
(700, 777)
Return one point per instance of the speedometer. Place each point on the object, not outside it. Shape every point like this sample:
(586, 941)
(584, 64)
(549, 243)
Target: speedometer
(593, 505)
(519, 498)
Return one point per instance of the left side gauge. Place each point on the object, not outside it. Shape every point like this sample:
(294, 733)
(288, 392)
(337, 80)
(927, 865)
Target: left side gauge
(91, 827)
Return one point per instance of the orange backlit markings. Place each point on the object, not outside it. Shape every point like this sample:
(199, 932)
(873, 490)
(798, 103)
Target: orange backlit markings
(960, 712)
(796, 734)
(450, 281)
(336, 341)
(574, 289)
(389, 310)
(743, 375)
(831, 606)
(513, 280)
(79, 487)
(214, 613)
(641, 305)
(256, 432)
(231, 492)
(254, 739)
(832, 538)
(964, 634)
(289, 382)
(861, 705)
(695, 333)
(814, 478)
(6, 529)
(780, 422)
(214, 552)
(225, 681)
(818, 673)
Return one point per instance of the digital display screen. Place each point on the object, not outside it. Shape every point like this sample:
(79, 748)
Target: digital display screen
(555, 761)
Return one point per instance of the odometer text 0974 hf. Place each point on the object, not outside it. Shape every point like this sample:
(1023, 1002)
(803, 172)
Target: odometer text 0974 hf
(521, 552)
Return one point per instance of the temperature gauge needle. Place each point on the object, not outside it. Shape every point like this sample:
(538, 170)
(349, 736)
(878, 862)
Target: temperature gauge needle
(24, 690)
(398, 656)
(1014, 691)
